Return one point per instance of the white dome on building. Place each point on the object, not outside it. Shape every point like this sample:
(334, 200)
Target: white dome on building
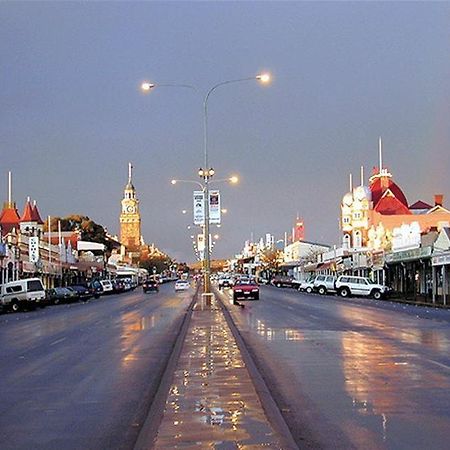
(363, 193)
(347, 200)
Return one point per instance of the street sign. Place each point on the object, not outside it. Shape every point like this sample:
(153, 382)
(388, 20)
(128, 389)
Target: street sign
(33, 249)
(199, 208)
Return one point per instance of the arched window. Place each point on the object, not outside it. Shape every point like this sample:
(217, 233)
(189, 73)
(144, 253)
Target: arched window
(357, 239)
(346, 241)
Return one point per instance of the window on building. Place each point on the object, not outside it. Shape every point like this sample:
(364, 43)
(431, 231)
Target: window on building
(357, 239)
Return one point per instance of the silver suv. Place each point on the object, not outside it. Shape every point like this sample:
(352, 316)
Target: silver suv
(324, 283)
(347, 285)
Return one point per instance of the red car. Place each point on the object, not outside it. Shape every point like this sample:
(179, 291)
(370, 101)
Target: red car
(245, 289)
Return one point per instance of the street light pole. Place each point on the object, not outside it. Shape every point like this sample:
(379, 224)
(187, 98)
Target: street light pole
(206, 172)
(264, 78)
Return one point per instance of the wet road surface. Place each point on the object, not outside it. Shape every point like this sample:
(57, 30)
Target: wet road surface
(82, 376)
(353, 373)
(212, 403)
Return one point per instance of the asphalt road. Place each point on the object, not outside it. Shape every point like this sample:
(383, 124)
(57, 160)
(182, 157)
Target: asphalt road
(353, 373)
(82, 376)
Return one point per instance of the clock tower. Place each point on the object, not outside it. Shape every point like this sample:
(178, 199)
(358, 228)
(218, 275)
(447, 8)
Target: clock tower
(130, 218)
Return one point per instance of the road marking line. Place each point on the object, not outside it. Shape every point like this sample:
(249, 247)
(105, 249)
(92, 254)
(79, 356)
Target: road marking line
(438, 364)
(58, 341)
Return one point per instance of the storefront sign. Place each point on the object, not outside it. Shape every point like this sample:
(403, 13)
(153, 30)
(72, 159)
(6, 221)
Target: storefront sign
(409, 255)
(406, 237)
(441, 260)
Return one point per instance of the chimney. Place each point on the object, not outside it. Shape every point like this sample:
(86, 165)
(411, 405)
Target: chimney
(438, 199)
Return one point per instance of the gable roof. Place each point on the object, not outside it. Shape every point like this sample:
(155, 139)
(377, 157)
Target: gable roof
(390, 205)
(420, 205)
(438, 208)
(380, 185)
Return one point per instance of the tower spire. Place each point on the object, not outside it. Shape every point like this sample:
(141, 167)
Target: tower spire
(130, 172)
(9, 189)
(362, 175)
(351, 182)
(380, 154)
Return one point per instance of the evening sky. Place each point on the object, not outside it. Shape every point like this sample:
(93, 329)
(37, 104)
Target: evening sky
(72, 115)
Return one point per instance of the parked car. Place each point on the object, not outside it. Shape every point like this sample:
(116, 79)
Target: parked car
(82, 292)
(107, 286)
(285, 281)
(150, 286)
(262, 280)
(96, 288)
(307, 285)
(225, 282)
(60, 295)
(245, 289)
(324, 283)
(118, 286)
(347, 285)
(181, 285)
(27, 293)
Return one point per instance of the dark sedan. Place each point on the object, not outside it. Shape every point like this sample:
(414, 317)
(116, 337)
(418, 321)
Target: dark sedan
(61, 295)
(150, 286)
(83, 293)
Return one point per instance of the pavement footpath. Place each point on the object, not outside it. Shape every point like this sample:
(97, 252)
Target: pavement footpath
(212, 401)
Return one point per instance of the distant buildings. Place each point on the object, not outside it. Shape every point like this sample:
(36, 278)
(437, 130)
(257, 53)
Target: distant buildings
(370, 214)
(406, 246)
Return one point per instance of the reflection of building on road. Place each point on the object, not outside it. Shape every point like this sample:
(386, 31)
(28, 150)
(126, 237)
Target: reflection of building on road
(384, 381)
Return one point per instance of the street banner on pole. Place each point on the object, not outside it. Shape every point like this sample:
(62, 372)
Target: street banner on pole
(199, 208)
(214, 207)
(200, 243)
(33, 249)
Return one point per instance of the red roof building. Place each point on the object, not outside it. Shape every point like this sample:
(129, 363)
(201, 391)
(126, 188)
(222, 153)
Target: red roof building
(36, 216)
(27, 215)
(369, 215)
(9, 218)
(389, 205)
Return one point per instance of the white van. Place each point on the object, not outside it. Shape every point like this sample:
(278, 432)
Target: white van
(107, 286)
(28, 293)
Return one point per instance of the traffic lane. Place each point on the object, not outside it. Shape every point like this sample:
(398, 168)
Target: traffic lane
(352, 374)
(83, 376)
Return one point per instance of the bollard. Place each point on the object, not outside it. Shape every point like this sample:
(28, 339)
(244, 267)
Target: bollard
(207, 298)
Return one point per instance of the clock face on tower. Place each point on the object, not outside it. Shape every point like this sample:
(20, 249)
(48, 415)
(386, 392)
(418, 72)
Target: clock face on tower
(130, 209)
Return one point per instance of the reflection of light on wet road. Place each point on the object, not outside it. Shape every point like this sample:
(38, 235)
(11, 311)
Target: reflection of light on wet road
(212, 402)
(377, 377)
(132, 325)
(271, 334)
